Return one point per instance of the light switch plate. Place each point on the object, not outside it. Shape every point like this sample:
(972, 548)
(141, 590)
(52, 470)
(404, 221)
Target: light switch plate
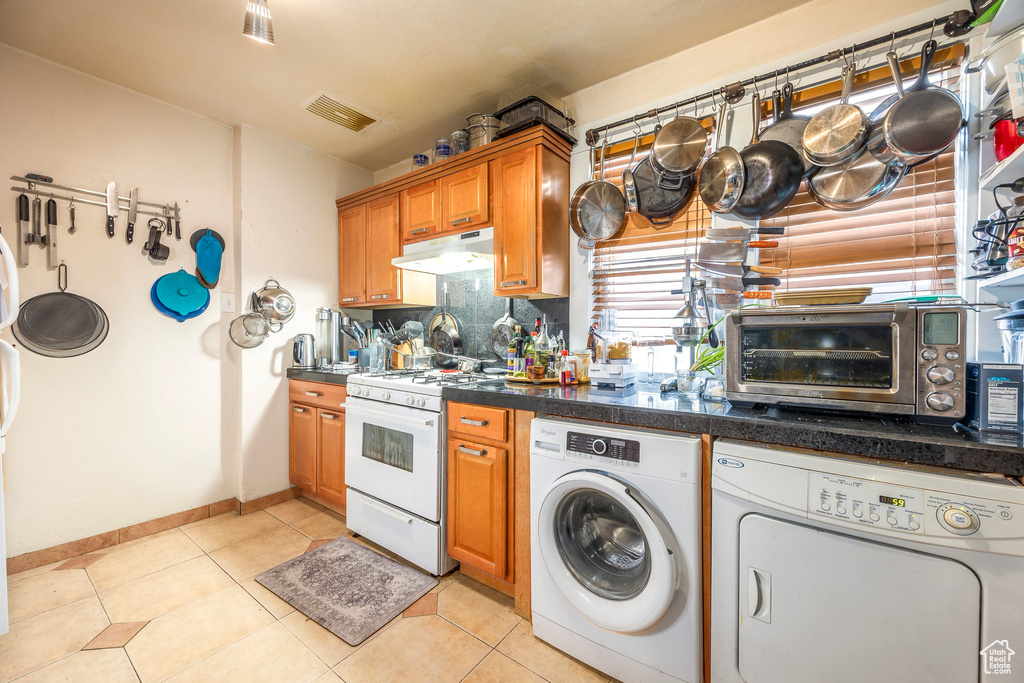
(227, 302)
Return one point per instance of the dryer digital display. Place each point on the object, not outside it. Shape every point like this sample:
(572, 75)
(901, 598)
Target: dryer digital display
(623, 450)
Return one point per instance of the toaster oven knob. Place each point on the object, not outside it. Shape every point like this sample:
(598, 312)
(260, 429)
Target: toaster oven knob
(929, 354)
(940, 374)
(940, 401)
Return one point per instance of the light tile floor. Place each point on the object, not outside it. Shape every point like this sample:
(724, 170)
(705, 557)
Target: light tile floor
(182, 605)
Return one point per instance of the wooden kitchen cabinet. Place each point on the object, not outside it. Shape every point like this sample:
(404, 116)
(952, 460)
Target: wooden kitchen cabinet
(529, 191)
(465, 199)
(316, 452)
(352, 256)
(383, 281)
(421, 212)
(477, 505)
(481, 498)
(302, 442)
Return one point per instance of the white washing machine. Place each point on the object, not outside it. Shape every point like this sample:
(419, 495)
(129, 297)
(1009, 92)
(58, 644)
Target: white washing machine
(833, 569)
(615, 523)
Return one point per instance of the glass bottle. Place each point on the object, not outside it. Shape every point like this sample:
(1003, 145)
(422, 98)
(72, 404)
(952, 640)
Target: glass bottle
(530, 353)
(511, 357)
(543, 344)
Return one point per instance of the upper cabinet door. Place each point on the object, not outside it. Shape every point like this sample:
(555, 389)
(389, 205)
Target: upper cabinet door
(421, 211)
(383, 244)
(352, 256)
(465, 199)
(515, 222)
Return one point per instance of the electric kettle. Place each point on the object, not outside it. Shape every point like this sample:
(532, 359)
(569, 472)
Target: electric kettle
(304, 352)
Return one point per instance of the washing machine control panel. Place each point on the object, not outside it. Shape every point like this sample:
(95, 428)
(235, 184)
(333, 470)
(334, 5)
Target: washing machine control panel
(609, 449)
(907, 509)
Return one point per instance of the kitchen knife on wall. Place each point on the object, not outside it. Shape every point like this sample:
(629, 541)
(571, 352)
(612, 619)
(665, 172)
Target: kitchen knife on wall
(26, 231)
(741, 234)
(51, 234)
(177, 222)
(112, 208)
(133, 213)
(731, 251)
(736, 270)
(737, 284)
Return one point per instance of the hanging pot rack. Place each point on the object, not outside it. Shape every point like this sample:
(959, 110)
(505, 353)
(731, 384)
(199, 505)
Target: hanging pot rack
(42, 188)
(735, 92)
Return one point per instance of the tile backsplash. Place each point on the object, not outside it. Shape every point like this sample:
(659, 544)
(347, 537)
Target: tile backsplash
(472, 302)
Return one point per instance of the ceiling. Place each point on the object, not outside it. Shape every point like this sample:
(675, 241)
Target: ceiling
(420, 67)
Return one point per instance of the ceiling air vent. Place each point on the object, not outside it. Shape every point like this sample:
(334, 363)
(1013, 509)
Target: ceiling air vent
(341, 114)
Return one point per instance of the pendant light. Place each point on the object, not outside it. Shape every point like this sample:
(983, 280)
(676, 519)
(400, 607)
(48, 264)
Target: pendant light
(258, 24)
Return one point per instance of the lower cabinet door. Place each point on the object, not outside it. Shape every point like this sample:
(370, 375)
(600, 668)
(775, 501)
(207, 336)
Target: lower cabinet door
(331, 455)
(477, 505)
(302, 446)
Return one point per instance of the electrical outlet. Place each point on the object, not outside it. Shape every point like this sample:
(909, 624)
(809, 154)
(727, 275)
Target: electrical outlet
(227, 302)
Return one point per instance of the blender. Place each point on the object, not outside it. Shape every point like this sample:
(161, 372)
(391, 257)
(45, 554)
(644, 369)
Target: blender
(613, 366)
(1011, 332)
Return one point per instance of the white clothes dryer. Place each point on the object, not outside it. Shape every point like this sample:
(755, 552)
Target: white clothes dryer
(827, 568)
(615, 524)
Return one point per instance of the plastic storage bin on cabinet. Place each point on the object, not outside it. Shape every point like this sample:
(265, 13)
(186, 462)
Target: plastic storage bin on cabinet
(530, 111)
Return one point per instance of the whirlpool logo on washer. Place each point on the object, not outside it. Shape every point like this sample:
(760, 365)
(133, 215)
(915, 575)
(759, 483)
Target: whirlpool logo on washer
(729, 462)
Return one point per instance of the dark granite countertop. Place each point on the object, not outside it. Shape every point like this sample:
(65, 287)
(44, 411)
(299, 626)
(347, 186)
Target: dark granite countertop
(327, 376)
(642, 405)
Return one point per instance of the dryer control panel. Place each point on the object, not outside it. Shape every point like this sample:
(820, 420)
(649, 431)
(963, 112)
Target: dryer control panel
(908, 509)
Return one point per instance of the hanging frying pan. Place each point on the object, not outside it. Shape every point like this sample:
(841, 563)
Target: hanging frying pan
(772, 174)
(598, 208)
(789, 128)
(60, 324)
(444, 335)
(838, 132)
(679, 145)
(721, 176)
(660, 199)
(502, 332)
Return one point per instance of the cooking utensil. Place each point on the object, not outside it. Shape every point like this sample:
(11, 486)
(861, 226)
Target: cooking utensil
(722, 175)
(156, 251)
(502, 331)
(679, 146)
(72, 228)
(994, 59)
(25, 230)
(741, 234)
(772, 172)
(133, 212)
(730, 252)
(179, 295)
(51, 234)
(445, 337)
(923, 121)
(177, 222)
(112, 207)
(838, 132)
(598, 209)
(60, 324)
(856, 183)
(37, 215)
(628, 182)
(730, 270)
(734, 284)
(249, 330)
(789, 128)
(275, 302)
(661, 198)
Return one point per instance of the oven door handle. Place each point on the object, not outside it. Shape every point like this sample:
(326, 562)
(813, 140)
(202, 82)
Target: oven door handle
(373, 413)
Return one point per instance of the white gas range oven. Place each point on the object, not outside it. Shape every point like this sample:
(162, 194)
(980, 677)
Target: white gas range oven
(395, 462)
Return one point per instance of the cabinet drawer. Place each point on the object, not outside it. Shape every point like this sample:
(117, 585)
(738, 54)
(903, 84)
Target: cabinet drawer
(479, 422)
(317, 394)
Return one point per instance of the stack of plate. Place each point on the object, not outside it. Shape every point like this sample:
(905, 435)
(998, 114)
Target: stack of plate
(821, 297)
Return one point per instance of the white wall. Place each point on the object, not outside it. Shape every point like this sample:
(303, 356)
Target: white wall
(804, 32)
(151, 422)
(287, 232)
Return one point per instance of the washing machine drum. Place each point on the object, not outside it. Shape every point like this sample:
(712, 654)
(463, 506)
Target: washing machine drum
(606, 553)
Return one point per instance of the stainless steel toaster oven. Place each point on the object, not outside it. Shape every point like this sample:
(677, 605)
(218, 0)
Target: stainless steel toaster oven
(885, 358)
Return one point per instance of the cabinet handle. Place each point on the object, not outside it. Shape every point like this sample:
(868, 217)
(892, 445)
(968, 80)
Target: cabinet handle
(418, 231)
(329, 416)
(300, 410)
(513, 283)
(472, 451)
(351, 298)
(473, 423)
(318, 394)
(380, 296)
(460, 221)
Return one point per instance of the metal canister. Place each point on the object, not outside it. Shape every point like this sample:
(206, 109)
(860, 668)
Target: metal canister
(460, 141)
(482, 129)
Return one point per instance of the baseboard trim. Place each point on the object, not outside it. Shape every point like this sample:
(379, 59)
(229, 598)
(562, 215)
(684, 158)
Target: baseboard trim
(326, 502)
(64, 551)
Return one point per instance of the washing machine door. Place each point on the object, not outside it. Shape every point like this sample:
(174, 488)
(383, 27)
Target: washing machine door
(606, 551)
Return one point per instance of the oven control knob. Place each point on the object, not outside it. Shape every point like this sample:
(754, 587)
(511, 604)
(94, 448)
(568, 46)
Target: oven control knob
(387, 395)
(356, 391)
(599, 446)
(410, 400)
(929, 354)
(940, 374)
(952, 354)
(421, 402)
(939, 401)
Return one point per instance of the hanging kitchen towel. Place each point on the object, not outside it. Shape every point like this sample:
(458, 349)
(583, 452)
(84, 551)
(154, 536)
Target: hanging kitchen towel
(209, 248)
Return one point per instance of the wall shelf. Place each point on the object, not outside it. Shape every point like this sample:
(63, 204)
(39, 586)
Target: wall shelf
(1005, 171)
(1005, 287)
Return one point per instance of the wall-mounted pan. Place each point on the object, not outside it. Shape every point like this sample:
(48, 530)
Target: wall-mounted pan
(60, 324)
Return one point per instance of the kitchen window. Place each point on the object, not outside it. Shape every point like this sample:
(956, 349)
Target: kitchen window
(901, 246)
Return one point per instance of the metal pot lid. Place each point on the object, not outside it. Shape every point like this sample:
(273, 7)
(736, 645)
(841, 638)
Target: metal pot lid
(652, 197)
(181, 293)
(601, 210)
(680, 145)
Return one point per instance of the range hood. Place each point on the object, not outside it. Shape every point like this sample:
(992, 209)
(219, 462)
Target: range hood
(450, 254)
